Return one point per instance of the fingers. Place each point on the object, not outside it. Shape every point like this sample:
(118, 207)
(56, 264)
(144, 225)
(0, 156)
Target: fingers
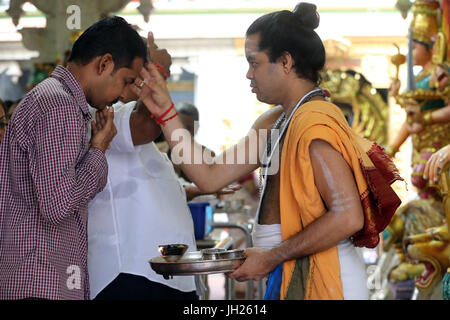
(103, 135)
(414, 127)
(105, 119)
(94, 128)
(100, 119)
(109, 115)
(229, 189)
(147, 79)
(152, 90)
(235, 187)
(427, 167)
(152, 75)
(241, 275)
(139, 83)
(136, 89)
(151, 46)
(434, 167)
(97, 118)
(237, 275)
(150, 40)
(443, 160)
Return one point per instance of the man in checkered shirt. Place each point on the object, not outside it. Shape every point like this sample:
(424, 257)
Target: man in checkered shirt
(49, 171)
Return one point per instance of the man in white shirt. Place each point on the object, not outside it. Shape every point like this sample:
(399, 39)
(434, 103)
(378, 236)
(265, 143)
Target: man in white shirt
(143, 205)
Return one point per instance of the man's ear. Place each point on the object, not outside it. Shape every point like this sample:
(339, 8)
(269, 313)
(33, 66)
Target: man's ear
(105, 64)
(287, 62)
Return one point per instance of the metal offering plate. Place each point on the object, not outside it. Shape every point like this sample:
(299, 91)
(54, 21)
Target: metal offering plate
(193, 263)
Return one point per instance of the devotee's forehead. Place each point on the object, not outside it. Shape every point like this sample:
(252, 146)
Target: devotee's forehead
(138, 64)
(134, 69)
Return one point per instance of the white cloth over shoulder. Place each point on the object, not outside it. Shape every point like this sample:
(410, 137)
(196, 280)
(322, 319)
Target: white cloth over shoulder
(142, 206)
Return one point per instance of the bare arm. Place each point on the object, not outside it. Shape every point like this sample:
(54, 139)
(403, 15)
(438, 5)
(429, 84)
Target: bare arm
(426, 118)
(210, 176)
(344, 217)
(229, 166)
(235, 162)
(401, 137)
(441, 115)
(143, 128)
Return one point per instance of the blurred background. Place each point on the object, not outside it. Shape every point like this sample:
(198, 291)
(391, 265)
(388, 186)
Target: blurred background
(206, 41)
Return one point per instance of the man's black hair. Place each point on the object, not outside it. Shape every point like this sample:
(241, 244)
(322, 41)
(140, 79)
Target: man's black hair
(188, 109)
(292, 32)
(111, 35)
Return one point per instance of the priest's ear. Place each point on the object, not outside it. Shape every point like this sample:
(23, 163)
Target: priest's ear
(286, 61)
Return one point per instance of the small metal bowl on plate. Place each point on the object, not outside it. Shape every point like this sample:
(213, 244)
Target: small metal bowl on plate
(211, 253)
(231, 254)
(221, 254)
(172, 252)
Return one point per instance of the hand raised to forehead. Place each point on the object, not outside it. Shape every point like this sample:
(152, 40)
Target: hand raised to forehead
(157, 55)
(153, 90)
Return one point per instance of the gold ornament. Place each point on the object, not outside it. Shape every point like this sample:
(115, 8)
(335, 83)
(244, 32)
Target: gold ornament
(439, 49)
(359, 101)
(397, 60)
(74, 36)
(425, 23)
(426, 118)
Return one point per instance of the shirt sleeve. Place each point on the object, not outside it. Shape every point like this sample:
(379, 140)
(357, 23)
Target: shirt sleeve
(123, 141)
(62, 183)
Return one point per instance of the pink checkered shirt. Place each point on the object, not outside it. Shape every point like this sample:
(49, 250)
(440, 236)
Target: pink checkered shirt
(48, 175)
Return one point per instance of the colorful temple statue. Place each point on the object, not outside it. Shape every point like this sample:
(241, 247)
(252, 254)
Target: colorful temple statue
(432, 249)
(425, 102)
(421, 101)
(411, 220)
(363, 105)
(444, 184)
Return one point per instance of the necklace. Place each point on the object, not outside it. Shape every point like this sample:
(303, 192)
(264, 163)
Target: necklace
(281, 124)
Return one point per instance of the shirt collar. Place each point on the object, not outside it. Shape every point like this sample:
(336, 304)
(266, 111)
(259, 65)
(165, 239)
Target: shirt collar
(67, 78)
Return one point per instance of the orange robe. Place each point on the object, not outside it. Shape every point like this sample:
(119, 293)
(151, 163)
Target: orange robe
(318, 276)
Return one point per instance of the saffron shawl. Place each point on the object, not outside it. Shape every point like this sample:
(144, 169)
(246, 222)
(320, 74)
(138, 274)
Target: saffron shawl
(317, 276)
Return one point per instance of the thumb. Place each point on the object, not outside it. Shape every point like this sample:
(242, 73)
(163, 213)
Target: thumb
(94, 128)
(109, 118)
(150, 39)
(150, 45)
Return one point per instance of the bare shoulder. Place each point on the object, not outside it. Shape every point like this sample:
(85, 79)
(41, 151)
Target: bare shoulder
(267, 119)
(319, 145)
(321, 149)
